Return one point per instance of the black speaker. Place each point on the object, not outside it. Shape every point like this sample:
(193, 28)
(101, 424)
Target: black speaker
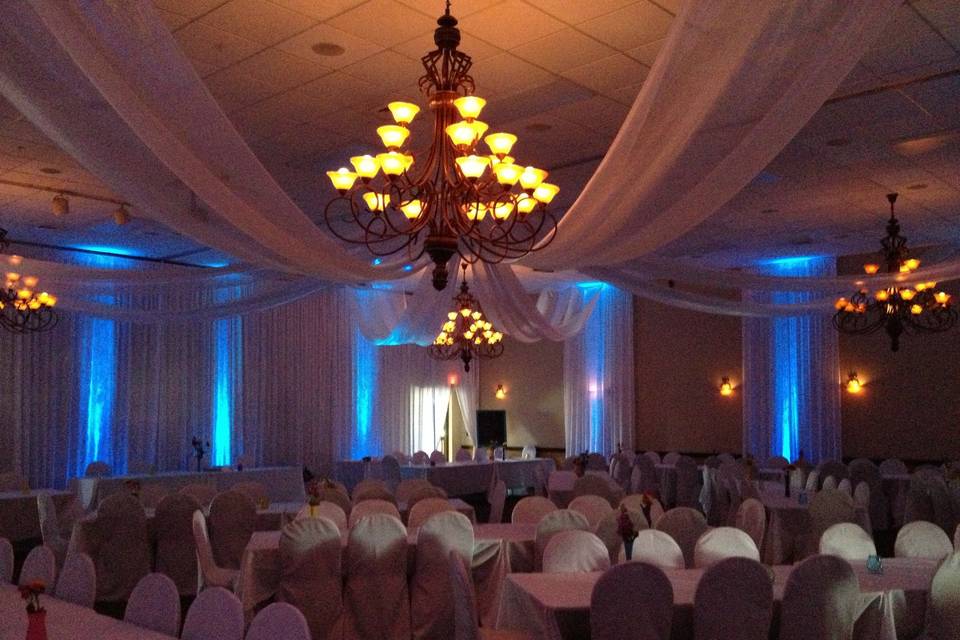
(491, 427)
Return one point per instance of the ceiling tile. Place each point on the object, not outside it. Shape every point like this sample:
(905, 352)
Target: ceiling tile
(172, 20)
(510, 24)
(257, 20)
(189, 8)
(944, 15)
(630, 27)
(234, 91)
(507, 73)
(906, 42)
(342, 89)
(562, 50)
(609, 74)
(390, 71)
(577, 11)
(355, 49)
(212, 46)
(459, 8)
(276, 69)
(476, 48)
(534, 101)
(647, 53)
(319, 10)
(599, 113)
(385, 22)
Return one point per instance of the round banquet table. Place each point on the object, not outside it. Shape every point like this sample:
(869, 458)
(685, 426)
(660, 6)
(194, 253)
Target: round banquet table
(788, 537)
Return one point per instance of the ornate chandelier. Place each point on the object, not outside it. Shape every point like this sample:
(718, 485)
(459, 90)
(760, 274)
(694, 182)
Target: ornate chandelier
(896, 309)
(456, 199)
(466, 333)
(22, 310)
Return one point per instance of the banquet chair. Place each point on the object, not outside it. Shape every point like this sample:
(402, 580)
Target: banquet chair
(6, 561)
(608, 530)
(276, 621)
(480, 454)
(656, 511)
(596, 462)
(846, 486)
(943, 606)
(733, 601)
(425, 493)
(337, 497)
(670, 458)
(400, 457)
(151, 495)
(202, 493)
(372, 492)
(390, 467)
(215, 614)
(827, 508)
(575, 552)
(776, 462)
(465, 617)
(621, 470)
(648, 479)
(592, 507)
(688, 480)
(431, 600)
(597, 485)
(632, 600)
(118, 542)
(798, 480)
(829, 483)
(154, 604)
(233, 519)
(40, 566)
(552, 524)
(407, 488)
(420, 458)
(685, 525)
(50, 527)
(531, 510)
(437, 457)
(424, 509)
(862, 500)
(632, 501)
(727, 458)
(848, 541)
(813, 480)
(210, 574)
(376, 602)
(98, 469)
(838, 470)
(863, 470)
(463, 455)
(253, 490)
(310, 574)
(529, 452)
(721, 543)
(893, 467)
(498, 498)
(560, 486)
(712, 462)
(78, 580)
(371, 507)
(175, 552)
(922, 539)
(821, 600)
(326, 510)
(658, 548)
(751, 517)
(652, 456)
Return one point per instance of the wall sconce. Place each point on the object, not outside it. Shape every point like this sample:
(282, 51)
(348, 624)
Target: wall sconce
(726, 387)
(853, 383)
(501, 393)
(452, 379)
(59, 206)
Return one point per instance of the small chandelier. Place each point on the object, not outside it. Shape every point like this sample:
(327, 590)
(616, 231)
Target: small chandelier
(466, 333)
(895, 309)
(22, 309)
(457, 198)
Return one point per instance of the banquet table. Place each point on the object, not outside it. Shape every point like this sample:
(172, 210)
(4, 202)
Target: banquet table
(283, 484)
(66, 621)
(555, 606)
(457, 478)
(19, 516)
(789, 525)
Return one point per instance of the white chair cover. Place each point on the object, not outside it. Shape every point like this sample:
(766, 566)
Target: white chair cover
(797, 480)
(480, 454)
(210, 574)
(575, 552)
(848, 541)
(279, 620)
(253, 490)
(420, 458)
(425, 509)
(98, 469)
(561, 481)
(311, 578)
(837, 470)
(596, 462)
(400, 457)
(407, 488)
(593, 508)
(390, 467)
(652, 456)
(327, 510)
(529, 452)
(621, 470)
(658, 548)
(633, 501)
(813, 479)
(6, 561)
(956, 539)
(154, 604)
(425, 493)
(776, 462)
(671, 457)
(734, 601)
(821, 600)
(40, 566)
(376, 604)
(943, 609)
(498, 498)
(684, 525)
(50, 527)
(431, 599)
(726, 458)
(176, 551)
(118, 541)
(465, 618)
(893, 467)
(233, 519)
(649, 480)
(752, 518)
(863, 470)
(688, 481)
(633, 600)
(151, 495)
(656, 512)
(829, 483)
(531, 510)
(827, 508)
(437, 457)
(846, 486)
(216, 614)
(608, 530)
(202, 493)
(370, 488)
(722, 543)
(922, 539)
(591, 484)
(463, 455)
(78, 580)
(552, 524)
(370, 507)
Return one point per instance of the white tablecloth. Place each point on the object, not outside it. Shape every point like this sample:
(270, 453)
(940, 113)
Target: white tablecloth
(19, 518)
(458, 478)
(557, 606)
(789, 526)
(65, 621)
(283, 484)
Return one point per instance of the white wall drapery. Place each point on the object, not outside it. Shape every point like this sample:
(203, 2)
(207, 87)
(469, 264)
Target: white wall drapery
(598, 394)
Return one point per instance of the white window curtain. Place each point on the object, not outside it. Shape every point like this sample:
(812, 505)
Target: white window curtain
(598, 392)
(429, 407)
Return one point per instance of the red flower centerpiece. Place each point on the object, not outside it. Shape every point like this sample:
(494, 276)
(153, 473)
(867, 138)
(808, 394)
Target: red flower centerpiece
(36, 615)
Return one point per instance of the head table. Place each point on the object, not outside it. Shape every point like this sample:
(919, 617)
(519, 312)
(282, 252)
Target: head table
(555, 606)
(457, 478)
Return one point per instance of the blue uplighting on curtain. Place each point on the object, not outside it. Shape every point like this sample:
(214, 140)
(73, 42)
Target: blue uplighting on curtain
(365, 367)
(227, 367)
(595, 351)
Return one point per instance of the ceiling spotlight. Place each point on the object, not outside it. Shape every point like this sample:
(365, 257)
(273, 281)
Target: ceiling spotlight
(60, 206)
(121, 215)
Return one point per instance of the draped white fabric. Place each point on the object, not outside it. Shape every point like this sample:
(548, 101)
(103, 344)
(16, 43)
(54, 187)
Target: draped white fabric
(791, 399)
(598, 377)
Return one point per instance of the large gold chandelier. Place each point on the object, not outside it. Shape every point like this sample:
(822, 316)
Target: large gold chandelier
(22, 309)
(457, 199)
(466, 333)
(896, 309)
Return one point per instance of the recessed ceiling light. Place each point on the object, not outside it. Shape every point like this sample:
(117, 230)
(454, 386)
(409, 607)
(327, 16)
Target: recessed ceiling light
(46, 227)
(769, 210)
(927, 143)
(538, 126)
(50, 170)
(918, 186)
(328, 49)
(838, 142)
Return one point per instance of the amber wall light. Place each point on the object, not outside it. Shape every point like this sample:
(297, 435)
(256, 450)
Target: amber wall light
(853, 383)
(500, 393)
(726, 387)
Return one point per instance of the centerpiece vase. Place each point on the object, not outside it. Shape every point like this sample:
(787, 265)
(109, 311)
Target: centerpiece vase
(37, 625)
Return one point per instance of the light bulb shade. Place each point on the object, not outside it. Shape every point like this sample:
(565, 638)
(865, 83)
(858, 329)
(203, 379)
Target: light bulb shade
(475, 211)
(916, 309)
(376, 201)
(412, 209)
(911, 263)
(479, 128)
(392, 163)
(60, 206)
(501, 393)
(393, 136)
(472, 167)
(30, 281)
(545, 192)
(500, 143)
(841, 303)
(882, 296)
(500, 209)
(853, 383)
(871, 268)
(942, 297)
(461, 134)
(366, 166)
(469, 106)
(907, 294)
(403, 112)
(526, 204)
(532, 177)
(342, 179)
(726, 389)
(507, 174)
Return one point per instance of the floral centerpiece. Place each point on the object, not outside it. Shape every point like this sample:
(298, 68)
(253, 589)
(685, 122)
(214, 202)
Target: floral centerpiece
(36, 615)
(199, 450)
(626, 530)
(314, 495)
